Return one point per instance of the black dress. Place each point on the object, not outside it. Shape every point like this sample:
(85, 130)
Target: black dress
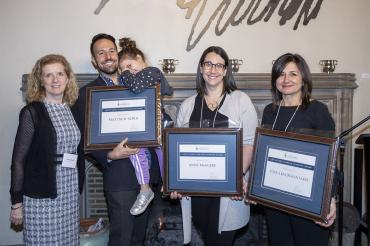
(283, 228)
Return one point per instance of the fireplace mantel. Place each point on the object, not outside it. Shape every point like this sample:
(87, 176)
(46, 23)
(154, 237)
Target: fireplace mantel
(335, 90)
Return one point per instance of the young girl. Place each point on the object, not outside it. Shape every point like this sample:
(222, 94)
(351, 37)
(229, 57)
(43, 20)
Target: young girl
(137, 76)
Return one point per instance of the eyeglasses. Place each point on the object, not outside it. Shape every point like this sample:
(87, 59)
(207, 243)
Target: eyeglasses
(209, 65)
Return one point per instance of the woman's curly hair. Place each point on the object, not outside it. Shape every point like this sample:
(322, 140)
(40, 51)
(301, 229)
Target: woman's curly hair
(35, 88)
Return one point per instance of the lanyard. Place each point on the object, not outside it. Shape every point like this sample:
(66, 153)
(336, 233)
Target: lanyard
(291, 118)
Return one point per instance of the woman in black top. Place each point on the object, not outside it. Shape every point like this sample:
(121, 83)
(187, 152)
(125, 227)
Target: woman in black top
(294, 110)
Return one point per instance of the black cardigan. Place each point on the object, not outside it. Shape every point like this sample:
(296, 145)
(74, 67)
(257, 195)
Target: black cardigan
(33, 171)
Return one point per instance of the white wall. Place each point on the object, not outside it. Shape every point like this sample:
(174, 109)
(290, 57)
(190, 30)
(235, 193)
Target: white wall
(30, 29)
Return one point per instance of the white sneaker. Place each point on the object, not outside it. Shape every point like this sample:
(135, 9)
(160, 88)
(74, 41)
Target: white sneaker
(142, 202)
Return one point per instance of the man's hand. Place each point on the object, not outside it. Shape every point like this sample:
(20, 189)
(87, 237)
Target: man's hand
(121, 151)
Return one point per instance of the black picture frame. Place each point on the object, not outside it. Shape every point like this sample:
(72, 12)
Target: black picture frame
(293, 172)
(114, 113)
(203, 161)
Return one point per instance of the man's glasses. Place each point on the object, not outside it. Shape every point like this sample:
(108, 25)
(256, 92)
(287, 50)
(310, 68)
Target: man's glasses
(209, 65)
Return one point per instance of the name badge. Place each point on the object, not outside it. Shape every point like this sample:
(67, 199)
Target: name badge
(69, 160)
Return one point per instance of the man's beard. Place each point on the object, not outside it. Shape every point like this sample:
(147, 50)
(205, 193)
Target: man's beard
(108, 70)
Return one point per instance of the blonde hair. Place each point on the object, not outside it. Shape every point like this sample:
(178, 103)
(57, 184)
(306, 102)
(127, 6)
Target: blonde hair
(35, 89)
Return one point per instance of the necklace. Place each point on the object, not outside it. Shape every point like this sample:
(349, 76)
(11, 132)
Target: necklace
(213, 105)
(201, 112)
(291, 118)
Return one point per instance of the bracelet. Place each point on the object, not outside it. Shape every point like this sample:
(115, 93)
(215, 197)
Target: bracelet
(15, 208)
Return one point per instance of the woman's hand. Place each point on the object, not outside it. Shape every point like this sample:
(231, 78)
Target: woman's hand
(236, 198)
(239, 198)
(121, 151)
(331, 216)
(175, 195)
(245, 187)
(245, 190)
(16, 214)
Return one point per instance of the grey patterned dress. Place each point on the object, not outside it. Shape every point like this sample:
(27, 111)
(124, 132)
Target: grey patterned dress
(56, 221)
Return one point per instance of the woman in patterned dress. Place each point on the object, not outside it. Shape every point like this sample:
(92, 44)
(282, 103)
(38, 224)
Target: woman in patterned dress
(46, 171)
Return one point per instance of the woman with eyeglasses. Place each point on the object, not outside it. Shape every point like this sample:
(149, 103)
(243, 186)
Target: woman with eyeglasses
(217, 104)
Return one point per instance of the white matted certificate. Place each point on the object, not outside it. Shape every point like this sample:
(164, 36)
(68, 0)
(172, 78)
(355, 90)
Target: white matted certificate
(124, 115)
(202, 161)
(289, 171)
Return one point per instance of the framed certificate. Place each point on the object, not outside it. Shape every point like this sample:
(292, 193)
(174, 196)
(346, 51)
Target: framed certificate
(293, 172)
(203, 161)
(114, 113)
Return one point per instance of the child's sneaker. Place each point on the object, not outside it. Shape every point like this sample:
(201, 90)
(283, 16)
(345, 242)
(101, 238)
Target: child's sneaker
(142, 201)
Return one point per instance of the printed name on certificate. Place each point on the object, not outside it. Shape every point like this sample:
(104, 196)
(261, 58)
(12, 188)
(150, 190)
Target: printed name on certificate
(122, 116)
(202, 162)
(289, 171)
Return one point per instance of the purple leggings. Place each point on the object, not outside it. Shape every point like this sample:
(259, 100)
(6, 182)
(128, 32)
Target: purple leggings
(141, 164)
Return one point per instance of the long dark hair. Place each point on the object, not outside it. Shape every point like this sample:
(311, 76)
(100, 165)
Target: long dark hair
(278, 68)
(228, 81)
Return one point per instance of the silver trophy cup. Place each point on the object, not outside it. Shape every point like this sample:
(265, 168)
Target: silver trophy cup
(234, 64)
(168, 65)
(328, 66)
